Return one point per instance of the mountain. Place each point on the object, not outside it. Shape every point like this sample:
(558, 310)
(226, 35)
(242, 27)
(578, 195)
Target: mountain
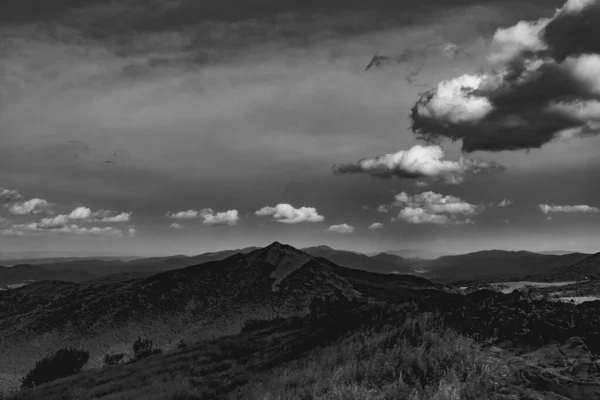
(24, 272)
(497, 264)
(402, 264)
(350, 259)
(588, 267)
(557, 252)
(423, 254)
(81, 269)
(189, 303)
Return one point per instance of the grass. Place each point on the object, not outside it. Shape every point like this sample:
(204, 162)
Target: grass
(416, 360)
(374, 352)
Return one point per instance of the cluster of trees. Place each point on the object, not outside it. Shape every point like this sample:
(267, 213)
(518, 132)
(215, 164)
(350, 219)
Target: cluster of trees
(69, 361)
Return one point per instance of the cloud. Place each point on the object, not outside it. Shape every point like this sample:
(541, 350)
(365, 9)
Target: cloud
(545, 85)
(131, 231)
(35, 206)
(46, 226)
(546, 208)
(80, 213)
(417, 163)
(505, 203)
(8, 195)
(375, 226)
(189, 214)
(434, 208)
(123, 217)
(211, 217)
(384, 208)
(175, 225)
(343, 228)
(287, 214)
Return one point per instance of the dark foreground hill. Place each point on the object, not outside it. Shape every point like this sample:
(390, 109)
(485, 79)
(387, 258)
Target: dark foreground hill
(424, 349)
(192, 303)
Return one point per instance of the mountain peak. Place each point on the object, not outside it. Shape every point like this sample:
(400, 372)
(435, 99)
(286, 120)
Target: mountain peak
(285, 258)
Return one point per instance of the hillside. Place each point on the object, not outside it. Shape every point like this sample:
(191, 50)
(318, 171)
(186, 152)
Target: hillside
(372, 351)
(497, 264)
(188, 303)
(587, 268)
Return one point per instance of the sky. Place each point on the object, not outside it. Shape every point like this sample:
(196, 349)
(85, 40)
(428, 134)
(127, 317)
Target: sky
(132, 127)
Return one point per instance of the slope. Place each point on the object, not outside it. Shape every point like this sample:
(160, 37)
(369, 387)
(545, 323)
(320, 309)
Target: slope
(188, 303)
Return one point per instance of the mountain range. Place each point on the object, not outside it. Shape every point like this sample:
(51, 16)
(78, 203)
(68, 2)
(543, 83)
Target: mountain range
(482, 265)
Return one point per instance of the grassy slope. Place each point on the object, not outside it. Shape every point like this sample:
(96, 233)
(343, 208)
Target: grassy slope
(360, 356)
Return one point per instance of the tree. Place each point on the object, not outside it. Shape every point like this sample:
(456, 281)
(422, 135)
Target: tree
(143, 348)
(63, 363)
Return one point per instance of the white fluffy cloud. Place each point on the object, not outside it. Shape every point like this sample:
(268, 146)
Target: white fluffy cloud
(34, 206)
(582, 208)
(189, 214)
(209, 216)
(123, 217)
(375, 226)
(343, 228)
(175, 225)
(434, 208)
(287, 214)
(419, 162)
(80, 213)
(9, 194)
(73, 229)
(505, 203)
(230, 217)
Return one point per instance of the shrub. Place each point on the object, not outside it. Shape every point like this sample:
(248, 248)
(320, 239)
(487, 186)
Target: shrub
(143, 348)
(112, 359)
(256, 324)
(182, 344)
(63, 363)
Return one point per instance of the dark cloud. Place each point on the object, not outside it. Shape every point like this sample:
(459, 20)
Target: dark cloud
(546, 86)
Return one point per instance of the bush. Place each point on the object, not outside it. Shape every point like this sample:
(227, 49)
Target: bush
(182, 344)
(63, 363)
(256, 324)
(143, 348)
(112, 359)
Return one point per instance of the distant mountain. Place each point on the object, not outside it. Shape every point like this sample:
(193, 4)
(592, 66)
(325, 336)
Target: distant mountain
(25, 272)
(9, 262)
(558, 252)
(497, 264)
(380, 264)
(81, 269)
(192, 303)
(588, 267)
(423, 254)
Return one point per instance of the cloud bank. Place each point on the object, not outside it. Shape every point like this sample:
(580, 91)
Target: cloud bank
(419, 162)
(582, 208)
(545, 86)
